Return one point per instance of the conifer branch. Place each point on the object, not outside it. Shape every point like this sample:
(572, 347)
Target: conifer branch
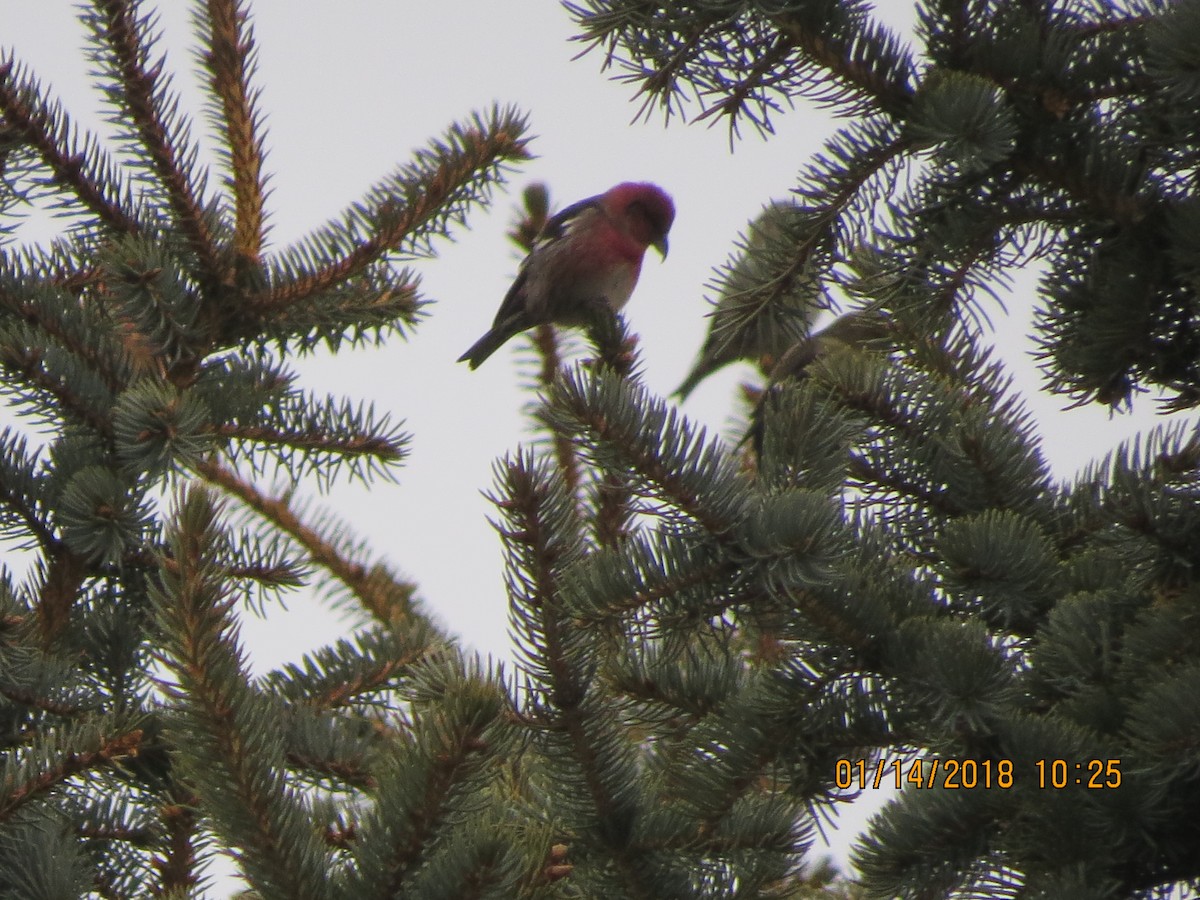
(545, 340)
(322, 438)
(431, 825)
(455, 748)
(28, 363)
(86, 172)
(855, 155)
(27, 698)
(632, 431)
(533, 505)
(177, 866)
(64, 575)
(349, 772)
(828, 611)
(639, 578)
(138, 837)
(847, 57)
(382, 673)
(765, 72)
(23, 784)
(532, 531)
(386, 598)
(20, 493)
(712, 782)
(87, 344)
(339, 675)
(231, 58)
(613, 503)
(847, 60)
(381, 447)
(880, 480)
(232, 751)
(612, 493)
(1125, 207)
(165, 140)
(400, 209)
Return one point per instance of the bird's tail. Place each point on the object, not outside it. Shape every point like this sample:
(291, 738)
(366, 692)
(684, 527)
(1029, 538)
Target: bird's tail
(485, 347)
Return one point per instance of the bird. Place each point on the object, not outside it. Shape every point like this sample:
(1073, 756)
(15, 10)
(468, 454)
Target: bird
(868, 329)
(586, 258)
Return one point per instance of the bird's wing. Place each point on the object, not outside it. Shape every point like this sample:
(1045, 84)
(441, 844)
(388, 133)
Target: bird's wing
(512, 307)
(558, 226)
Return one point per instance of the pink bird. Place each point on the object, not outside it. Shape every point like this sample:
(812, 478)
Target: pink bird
(588, 254)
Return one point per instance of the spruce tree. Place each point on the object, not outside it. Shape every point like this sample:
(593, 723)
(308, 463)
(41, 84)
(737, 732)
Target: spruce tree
(718, 641)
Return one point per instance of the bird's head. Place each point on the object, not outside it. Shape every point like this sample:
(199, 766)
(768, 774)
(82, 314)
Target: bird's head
(645, 210)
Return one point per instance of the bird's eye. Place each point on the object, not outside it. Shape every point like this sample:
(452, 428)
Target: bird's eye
(650, 216)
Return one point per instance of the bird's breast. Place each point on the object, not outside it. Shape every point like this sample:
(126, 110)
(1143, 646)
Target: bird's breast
(616, 286)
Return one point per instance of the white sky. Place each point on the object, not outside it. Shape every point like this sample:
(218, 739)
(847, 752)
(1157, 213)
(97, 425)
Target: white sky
(349, 89)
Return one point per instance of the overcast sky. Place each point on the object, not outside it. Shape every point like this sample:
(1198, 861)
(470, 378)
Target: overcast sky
(349, 89)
